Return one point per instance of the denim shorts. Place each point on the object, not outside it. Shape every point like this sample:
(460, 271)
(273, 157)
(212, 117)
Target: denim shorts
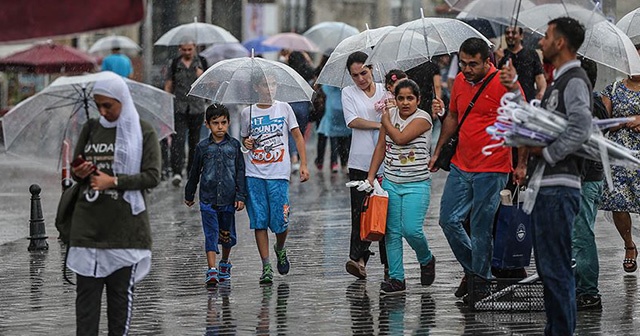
(268, 204)
(219, 225)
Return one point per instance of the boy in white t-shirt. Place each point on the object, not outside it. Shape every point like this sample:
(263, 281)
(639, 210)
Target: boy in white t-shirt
(265, 133)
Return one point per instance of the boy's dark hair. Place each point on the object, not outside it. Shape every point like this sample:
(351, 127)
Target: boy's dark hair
(408, 83)
(571, 29)
(216, 110)
(393, 76)
(473, 46)
(357, 57)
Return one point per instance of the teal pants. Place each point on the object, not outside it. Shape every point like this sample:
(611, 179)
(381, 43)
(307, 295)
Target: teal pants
(585, 251)
(408, 204)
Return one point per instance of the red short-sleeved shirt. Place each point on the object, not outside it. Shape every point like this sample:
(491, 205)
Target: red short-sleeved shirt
(473, 135)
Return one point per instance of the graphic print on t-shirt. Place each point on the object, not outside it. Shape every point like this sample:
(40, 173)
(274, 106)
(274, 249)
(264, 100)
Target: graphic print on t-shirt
(268, 134)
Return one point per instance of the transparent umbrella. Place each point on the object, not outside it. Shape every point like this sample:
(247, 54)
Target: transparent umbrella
(198, 32)
(537, 17)
(503, 12)
(630, 25)
(38, 126)
(335, 72)
(608, 45)
(106, 44)
(218, 52)
(416, 42)
(291, 41)
(234, 81)
(327, 35)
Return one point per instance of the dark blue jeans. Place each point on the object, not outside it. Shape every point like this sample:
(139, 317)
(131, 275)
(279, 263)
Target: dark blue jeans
(552, 224)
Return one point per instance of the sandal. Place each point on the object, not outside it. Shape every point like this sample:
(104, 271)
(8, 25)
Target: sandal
(629, 264)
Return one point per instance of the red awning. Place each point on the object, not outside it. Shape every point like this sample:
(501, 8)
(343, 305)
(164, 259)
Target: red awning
(48, 58)
(30, 19)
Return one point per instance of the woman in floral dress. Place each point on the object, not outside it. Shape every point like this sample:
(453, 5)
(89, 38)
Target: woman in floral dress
(622, 99)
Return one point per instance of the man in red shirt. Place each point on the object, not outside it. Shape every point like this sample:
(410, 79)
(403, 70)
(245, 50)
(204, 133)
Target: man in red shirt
(474, 183)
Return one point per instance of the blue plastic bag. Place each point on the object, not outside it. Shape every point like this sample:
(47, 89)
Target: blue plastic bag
(513, 239)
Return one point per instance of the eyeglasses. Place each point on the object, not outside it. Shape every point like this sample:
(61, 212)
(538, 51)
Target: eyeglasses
(472, 65)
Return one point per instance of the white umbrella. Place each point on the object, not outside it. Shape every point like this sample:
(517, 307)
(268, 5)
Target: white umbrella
(105, 44)
(537, 17)
(416, 42)
(327, 35)
(291, 41)
(335, 72)
(38, 125)
(198, 32)
(500, 11)
(218, 52)
(232, 81)
(630, 25)
(608, 45)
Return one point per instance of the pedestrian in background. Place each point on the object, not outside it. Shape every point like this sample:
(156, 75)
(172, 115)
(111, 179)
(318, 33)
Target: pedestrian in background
(110, 241)
(118, 62)
(188, 110)
(558, 199)
(358, 102)
(622, 99)
(404, 145)
(218, 164)
(265, 133)
(301, 63)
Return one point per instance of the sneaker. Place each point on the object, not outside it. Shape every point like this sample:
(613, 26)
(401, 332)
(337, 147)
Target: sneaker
(267, 274)
(356, 269)
(589, 302)
(428, 272)
(224, 272)
(392, 286)
(176, 180)
(319, 166)
(211, 278)
(283, 261)
(462, 289)
(335, 168)
(295, 167)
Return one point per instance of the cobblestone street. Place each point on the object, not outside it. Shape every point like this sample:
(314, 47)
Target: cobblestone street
(317, 298)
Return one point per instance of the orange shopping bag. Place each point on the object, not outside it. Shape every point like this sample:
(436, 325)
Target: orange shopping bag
(373, 220)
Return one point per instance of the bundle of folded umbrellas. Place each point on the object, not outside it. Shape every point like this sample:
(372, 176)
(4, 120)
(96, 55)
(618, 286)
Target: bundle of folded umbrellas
(527, 124)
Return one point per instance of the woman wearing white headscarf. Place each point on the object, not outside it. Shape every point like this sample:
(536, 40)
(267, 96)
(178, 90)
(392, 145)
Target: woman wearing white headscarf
(110, 242)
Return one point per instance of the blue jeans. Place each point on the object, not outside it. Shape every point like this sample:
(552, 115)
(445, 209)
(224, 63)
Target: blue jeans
(219, 226)
(552, 221)
(583, 242)
(408, 204)
(478, 193)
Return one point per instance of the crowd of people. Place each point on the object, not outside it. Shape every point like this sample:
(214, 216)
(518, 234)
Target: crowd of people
(377, 131)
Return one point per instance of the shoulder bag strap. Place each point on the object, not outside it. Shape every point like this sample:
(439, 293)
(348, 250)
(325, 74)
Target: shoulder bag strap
(473, 101)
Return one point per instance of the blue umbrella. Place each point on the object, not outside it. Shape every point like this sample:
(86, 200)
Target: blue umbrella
(257, 46)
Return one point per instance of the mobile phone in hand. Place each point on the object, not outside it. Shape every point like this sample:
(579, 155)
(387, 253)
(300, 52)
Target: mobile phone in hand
(78, 161)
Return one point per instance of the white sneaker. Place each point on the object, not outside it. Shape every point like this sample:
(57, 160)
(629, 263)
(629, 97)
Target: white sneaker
(177, 179)
(295, 167)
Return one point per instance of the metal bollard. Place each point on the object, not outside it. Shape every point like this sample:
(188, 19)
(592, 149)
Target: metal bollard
(37, 232)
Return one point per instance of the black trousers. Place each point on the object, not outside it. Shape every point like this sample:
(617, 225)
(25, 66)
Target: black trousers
(119, 302)
(185, 123)
(340, 147)
(358, 248)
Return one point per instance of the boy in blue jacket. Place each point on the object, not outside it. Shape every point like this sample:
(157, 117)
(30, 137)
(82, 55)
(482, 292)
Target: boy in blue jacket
(219, 167)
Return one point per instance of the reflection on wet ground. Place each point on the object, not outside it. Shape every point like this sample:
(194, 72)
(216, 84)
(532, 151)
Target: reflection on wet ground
(316, 298)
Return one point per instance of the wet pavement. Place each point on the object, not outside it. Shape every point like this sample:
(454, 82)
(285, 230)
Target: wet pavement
(317, 298)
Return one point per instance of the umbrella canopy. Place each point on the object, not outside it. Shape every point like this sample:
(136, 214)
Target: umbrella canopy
(630, 25)
(499, 11)
(335, 72)
(256, 45)
(106, 44)
(608, 45)
(537, 17)
(291, 41)
(233, 81)
(219, 52)
(327, 35)
(416, 42)
(38, 125)
(47, 58)
(198, 32)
